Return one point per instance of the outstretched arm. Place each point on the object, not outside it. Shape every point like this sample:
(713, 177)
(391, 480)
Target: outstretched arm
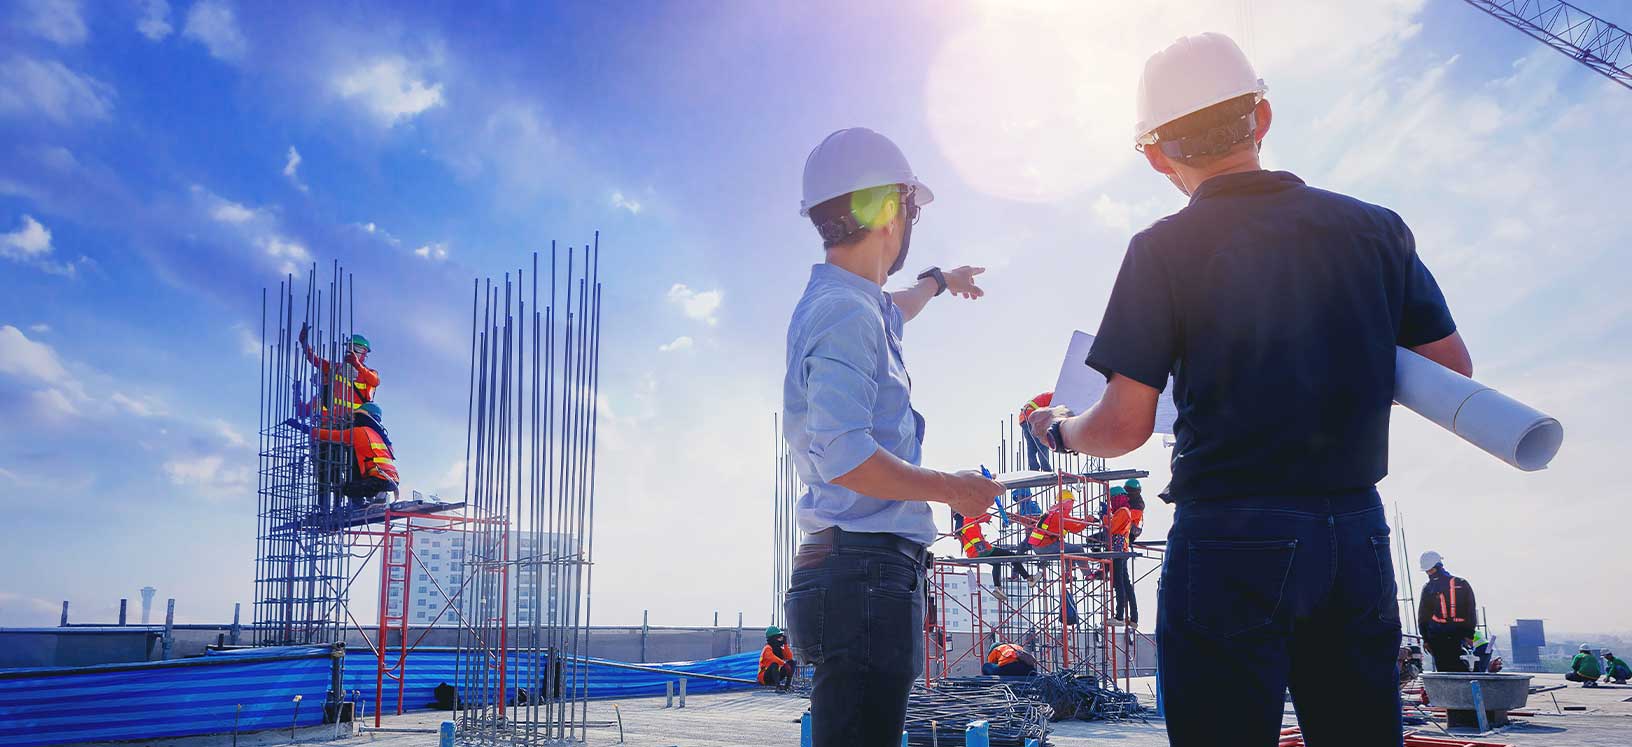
(959, 282)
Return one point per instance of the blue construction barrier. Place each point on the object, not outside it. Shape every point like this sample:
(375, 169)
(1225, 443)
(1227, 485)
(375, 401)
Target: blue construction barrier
(254, 689)
(54, 705)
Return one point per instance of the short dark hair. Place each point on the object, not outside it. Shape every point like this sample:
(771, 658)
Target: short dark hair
(1203, 123)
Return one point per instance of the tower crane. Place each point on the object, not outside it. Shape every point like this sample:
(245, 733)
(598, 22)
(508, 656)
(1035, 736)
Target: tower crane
(1582, 36)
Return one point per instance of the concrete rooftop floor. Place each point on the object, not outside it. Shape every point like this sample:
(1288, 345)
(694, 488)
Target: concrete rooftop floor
(761, 718)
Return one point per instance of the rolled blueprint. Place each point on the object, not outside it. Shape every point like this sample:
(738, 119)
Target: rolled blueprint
(1506, 428)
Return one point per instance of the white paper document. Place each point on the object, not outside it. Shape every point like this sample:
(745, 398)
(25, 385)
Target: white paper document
(1079, 386)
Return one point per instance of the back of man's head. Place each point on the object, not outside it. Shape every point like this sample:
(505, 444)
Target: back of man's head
(1196, 100)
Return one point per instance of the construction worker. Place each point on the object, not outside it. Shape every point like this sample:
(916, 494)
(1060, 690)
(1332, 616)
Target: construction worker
(1447, 615)
(1584, 668)
(1616, 669)
(346, 387)
(1276, 308)
(1481, 648)
(856, 604)
(1136, 506)
(775, 660)
(370, 445)
(1118, 525)
(1009, 660)
(972, 537)
(1048, 535)
(1036, 454)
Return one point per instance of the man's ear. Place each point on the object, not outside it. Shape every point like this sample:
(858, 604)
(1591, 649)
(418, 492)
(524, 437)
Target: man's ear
(1158, 159)
(1263, 114)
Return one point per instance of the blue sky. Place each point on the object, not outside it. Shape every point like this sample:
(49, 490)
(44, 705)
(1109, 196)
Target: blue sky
(150, 188)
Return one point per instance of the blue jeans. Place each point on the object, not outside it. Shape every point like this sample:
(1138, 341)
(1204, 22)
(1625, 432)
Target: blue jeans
(857, 613)
(1036, 452)
(1259, 595)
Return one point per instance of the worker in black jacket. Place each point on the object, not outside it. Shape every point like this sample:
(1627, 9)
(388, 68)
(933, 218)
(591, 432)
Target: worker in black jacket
(1447, 615)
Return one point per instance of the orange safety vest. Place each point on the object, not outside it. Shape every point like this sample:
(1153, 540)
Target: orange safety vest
(1039, 401)
(1121, 522)
(374, 458)
(1054, 524)
(1447, 605)
(768, 657)
(973, 539)
(343, 394)
(1003, 653)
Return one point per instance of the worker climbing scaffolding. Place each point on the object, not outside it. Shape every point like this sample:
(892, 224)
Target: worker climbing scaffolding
(376, 469)
(345, 387)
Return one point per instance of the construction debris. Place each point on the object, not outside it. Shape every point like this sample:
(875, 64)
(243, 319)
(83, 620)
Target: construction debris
(939, 715)
(1082, 697)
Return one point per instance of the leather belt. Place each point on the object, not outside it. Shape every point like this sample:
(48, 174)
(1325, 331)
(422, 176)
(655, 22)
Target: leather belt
(839, 538)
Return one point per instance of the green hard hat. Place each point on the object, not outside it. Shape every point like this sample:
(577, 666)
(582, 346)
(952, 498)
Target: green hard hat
(360, 341)
(772, 632)
(1117, 490)
(373, 411)
(1131, 484)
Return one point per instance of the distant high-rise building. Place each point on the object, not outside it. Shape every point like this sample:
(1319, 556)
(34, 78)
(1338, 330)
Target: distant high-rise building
(147, 602)
(1526, 638)
(438, 571)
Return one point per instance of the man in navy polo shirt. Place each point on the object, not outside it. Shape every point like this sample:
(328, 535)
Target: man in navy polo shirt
(1276, 307)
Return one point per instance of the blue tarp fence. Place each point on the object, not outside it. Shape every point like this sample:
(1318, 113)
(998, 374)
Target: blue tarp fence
(254, 689)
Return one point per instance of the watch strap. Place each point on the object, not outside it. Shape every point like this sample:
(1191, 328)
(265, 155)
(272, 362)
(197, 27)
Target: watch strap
(940, 279)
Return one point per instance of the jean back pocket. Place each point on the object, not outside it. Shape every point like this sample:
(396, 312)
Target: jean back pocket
(805, 610)
(1236, 586)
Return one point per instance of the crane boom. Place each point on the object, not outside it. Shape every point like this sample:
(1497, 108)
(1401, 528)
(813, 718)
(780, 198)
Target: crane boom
(1582, 36)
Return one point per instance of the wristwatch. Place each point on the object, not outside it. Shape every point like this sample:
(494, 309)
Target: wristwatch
(1056, 438)
(940, 279)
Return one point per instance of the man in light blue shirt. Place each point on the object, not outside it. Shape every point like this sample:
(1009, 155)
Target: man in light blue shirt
(856, 603)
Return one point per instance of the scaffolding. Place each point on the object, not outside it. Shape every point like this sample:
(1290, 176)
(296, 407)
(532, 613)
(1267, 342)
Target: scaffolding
(1065, 614)
(786, 489)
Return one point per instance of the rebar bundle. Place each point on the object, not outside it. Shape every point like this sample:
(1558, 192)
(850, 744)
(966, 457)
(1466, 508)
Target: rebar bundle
(301, 561)
(939, 715)
(530, 485)
(1075, 696)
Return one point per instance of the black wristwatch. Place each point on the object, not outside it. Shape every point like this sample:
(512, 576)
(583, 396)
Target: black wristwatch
(1056, 438)
(940, 279)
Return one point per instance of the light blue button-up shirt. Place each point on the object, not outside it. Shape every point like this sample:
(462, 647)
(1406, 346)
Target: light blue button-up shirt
(846, 394)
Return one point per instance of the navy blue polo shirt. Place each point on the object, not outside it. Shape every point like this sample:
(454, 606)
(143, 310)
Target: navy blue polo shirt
(1276, 307)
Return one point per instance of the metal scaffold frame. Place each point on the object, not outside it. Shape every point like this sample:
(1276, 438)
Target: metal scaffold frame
(1065, 615)
(787, 487)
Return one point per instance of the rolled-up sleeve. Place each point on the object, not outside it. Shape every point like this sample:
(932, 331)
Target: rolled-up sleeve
(840, 368)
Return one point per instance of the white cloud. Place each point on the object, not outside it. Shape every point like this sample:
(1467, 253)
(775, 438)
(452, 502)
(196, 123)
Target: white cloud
(207, 473)
(630, 204)
(1113, 213)
(291, 168)
(214, 24)
(227, 433)
(29, 241)
(388, 90)
(285, 249)
(53, 403)
(40, 328)
(142, 408)
(232, 212)
(155, 21)
(699, 305)
(433, 252)
(682, 342)
(27, 359)
(248, 342)
(60, 21)
(49, 90)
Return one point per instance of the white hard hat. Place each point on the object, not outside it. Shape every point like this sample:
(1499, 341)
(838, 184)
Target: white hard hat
(855, 159)
(1192, 74)
(1430, 559)
(1585, 647)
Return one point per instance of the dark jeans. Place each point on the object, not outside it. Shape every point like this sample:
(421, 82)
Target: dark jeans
(367, 487)
(857, 613)
(1036, 453)
(1447, 653)
(999, 551)
(777, 675)
(1259, 595)
(1127, 607)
